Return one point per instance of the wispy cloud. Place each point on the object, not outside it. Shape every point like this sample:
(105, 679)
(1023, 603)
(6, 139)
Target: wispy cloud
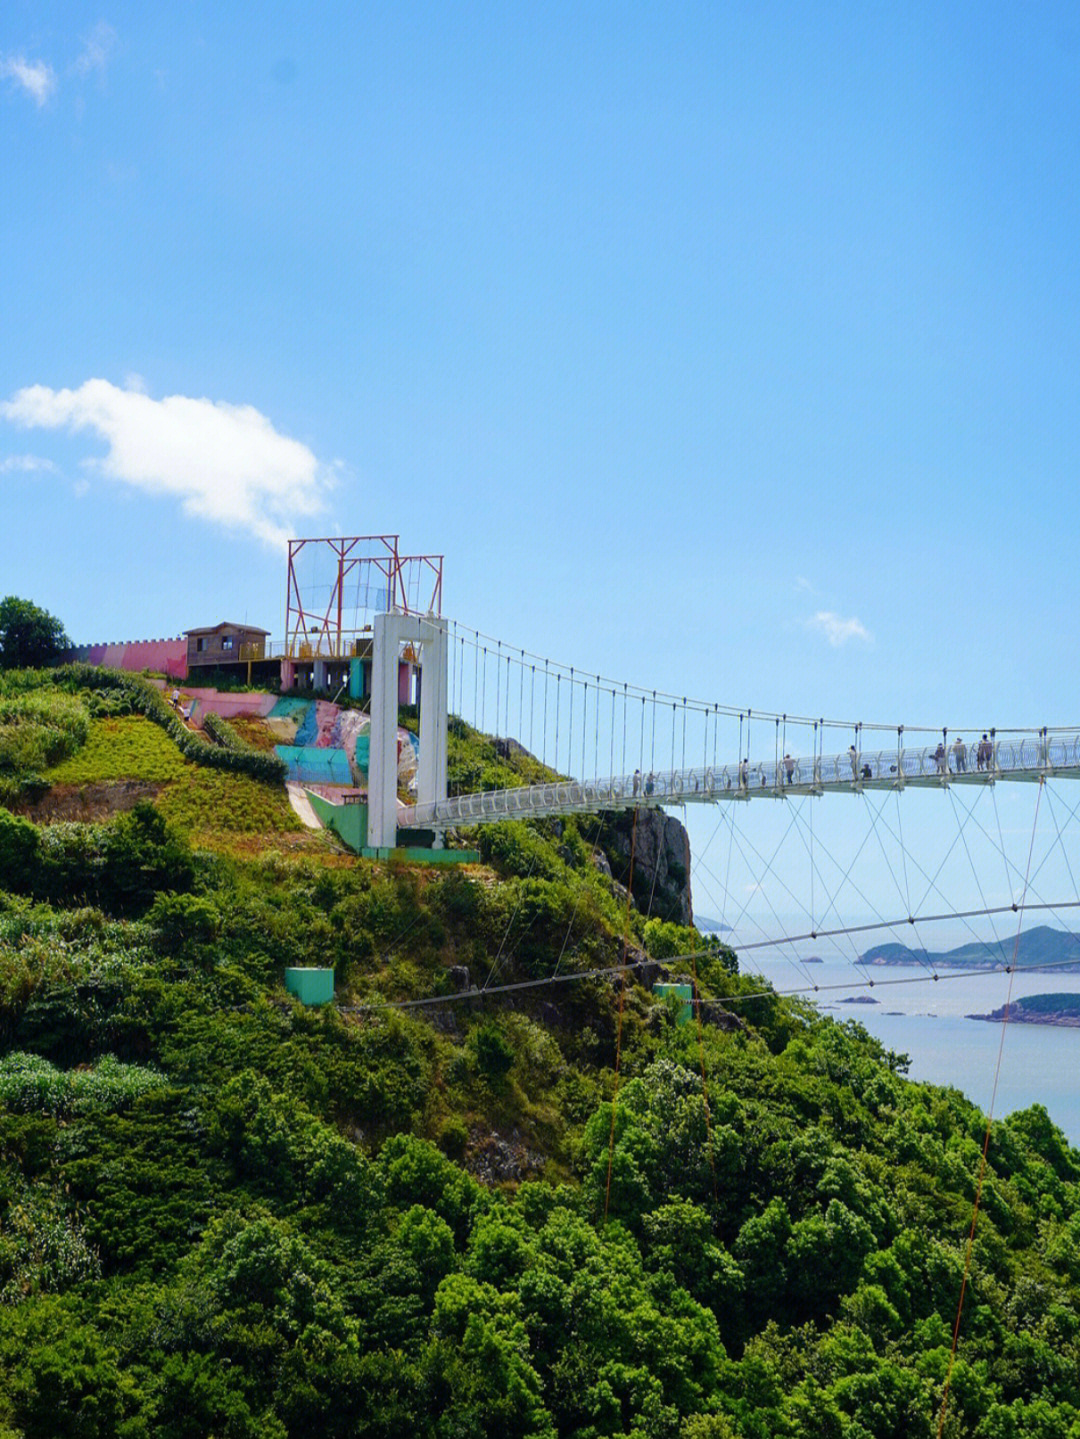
(34, 76)
(97, 50)
(837, 630)
(27, 465)
(225, 463)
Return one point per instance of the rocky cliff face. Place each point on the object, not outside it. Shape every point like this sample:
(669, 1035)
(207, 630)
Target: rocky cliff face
(661, 880)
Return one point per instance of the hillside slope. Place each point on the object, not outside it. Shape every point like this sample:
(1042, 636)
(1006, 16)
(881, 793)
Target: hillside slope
(224, 1214)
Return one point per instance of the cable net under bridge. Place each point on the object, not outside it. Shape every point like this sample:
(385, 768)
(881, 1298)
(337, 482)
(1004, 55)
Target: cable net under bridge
(609, 745)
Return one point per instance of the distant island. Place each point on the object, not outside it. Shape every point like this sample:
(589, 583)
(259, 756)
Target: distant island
(704, 925)
(1039, 948)
(1062, 1010)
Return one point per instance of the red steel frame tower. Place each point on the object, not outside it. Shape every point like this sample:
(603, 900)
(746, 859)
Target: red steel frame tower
(363, 574)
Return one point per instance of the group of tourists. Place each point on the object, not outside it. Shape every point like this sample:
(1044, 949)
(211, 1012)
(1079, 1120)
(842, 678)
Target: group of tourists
(952, 760)
(984, 756)
(650, 783)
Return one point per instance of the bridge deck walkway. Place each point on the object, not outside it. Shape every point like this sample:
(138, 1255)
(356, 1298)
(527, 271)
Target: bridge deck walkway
(1027, 759)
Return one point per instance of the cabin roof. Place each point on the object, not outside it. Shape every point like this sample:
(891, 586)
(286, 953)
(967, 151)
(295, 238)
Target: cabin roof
(227, 625)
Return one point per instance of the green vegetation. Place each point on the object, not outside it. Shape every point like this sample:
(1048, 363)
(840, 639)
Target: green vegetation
(119, 866)
(39, 730)
(222, 1214)
(209, 802)
(476, 761)
(31, 1085)
(132, 694)
(128, 747)
(222, 733)
(252, 733)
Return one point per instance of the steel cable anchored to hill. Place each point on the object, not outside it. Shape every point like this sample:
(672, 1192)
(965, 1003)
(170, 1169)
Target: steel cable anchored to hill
(670, 961)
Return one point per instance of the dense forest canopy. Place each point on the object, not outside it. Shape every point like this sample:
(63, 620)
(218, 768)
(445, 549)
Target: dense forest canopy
(225, 1214)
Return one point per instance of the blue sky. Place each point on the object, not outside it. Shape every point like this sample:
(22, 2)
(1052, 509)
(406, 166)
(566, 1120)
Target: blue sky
(729, 349)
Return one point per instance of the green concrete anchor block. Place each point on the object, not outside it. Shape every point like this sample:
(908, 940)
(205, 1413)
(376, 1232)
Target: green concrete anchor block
(311, 986)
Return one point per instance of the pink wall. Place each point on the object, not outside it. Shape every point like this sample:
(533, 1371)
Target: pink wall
(168, 656)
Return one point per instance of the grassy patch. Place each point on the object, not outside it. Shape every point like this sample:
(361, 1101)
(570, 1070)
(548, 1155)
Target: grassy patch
(125, 747)
(254, 733)
(285, 849)
(208, 801)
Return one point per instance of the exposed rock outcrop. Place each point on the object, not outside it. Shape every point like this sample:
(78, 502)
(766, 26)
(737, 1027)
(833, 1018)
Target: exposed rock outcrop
(661, 847)
(497, 1160)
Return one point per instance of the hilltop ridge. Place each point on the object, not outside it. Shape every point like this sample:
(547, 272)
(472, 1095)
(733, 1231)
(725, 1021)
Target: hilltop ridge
(1040, 947)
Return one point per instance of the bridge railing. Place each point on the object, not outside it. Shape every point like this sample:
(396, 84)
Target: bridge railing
(1019, 756)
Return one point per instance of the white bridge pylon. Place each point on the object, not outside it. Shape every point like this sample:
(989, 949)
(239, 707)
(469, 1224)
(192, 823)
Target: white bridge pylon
(1017, 755)
(426, 634)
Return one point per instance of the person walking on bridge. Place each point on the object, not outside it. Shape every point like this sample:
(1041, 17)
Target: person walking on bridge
(959, 750)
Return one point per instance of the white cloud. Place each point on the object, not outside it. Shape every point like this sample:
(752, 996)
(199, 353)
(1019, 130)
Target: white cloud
(35, 77)
(97, 48)
(225, 463)
(27, 465)
(837, 630)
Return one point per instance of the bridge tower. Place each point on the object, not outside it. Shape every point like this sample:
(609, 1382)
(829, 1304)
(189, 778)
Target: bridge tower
(428, 636)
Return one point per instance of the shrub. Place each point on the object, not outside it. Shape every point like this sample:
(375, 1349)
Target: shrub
(38, 730)
(20, 846)
(513, 847)
(185, 919)
(453, 1137)
(42, 1250)
(31, 1085)
(222, 733)
(119, 866)
(494, 1055)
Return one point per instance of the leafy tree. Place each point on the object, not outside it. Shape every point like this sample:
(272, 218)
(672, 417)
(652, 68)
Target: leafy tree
(185, 920)
(477, 1367)
(29, 637)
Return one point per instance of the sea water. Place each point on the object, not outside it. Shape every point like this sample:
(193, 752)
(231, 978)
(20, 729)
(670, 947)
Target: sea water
(926, 1020)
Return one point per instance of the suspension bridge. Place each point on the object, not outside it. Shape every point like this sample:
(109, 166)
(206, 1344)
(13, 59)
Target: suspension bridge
(600, 746)
(948, 848)
(617, 746)
(586, 743)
